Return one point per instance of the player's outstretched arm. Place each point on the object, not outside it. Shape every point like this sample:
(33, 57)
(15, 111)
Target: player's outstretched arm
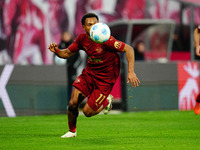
(130, 56)
(64, 53)
(196, 41)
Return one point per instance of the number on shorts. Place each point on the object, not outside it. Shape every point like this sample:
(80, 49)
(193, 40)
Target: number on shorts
(100, 98)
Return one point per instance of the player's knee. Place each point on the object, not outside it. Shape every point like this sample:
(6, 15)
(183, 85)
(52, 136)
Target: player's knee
(73, 108)
(72, 105)
(87, 113)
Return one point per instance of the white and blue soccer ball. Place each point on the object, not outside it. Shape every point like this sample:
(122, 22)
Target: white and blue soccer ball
(100, 32)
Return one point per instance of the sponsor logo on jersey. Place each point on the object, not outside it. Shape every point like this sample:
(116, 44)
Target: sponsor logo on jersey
(95, 60)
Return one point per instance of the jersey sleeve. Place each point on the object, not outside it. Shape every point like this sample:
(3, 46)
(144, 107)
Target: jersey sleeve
(114, 44)
(74, 47)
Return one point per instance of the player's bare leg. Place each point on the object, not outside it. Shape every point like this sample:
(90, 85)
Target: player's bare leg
(76, 98)
(89, 112)
(73, 111)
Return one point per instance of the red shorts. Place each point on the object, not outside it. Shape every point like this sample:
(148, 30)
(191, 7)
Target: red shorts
(96, 90)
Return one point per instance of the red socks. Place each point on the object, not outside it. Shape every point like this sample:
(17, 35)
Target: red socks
(72, 126)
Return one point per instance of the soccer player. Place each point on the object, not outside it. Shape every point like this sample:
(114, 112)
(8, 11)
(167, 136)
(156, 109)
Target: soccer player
(197, 40)
(197, 47)
(100, 74)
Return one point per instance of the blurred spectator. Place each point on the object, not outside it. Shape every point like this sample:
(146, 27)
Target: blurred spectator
(139, 51)
(185, 38)
(4, 57)
(197, 41)
(176, 46)
(72, 63)
(197, 52)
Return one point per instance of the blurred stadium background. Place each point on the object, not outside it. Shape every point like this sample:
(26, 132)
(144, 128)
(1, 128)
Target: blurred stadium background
(31, 83)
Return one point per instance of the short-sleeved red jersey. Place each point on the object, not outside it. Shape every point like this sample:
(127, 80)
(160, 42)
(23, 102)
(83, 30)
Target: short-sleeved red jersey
(103, 60)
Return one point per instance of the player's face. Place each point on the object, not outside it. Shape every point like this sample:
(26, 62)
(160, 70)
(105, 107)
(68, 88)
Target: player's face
(89, 22)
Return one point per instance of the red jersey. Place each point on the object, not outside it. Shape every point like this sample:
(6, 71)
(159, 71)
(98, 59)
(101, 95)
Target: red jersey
(103, 60)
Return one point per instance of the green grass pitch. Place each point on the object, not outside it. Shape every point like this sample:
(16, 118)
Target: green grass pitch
(173, 130)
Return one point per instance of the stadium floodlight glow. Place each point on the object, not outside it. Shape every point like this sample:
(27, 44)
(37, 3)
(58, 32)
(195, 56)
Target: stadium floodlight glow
(5, 76)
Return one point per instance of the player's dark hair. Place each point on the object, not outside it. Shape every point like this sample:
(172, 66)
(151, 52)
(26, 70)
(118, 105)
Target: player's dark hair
(88, 15)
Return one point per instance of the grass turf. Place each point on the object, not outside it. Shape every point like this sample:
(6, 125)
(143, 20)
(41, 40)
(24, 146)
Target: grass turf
(127, 131)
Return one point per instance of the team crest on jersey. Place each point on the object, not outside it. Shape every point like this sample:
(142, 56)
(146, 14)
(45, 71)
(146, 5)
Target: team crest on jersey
(117, 44)
(99, 50)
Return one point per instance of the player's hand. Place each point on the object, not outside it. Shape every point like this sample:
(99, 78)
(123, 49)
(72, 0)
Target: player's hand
(133, 79)
(198, 50)
(53, 47)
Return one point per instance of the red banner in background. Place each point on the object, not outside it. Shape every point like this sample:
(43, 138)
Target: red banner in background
(116, 91)
(188, 84)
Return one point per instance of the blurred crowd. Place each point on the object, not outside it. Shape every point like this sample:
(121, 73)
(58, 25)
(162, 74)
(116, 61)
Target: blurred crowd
(28, 26)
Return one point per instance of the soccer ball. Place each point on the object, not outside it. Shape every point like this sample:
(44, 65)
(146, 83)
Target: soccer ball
(100, 33)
